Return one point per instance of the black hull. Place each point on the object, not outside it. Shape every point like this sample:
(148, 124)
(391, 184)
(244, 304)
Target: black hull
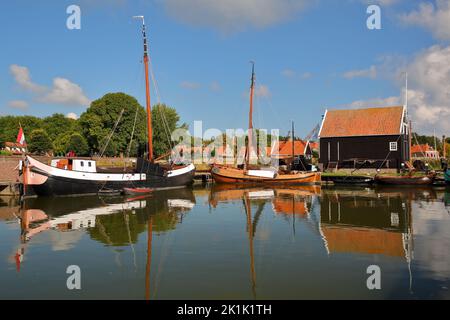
(351, 180)
(60, 186)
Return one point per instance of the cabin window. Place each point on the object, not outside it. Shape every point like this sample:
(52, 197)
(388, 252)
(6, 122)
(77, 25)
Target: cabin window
(82, 163)
(393, 146)
(89, 164)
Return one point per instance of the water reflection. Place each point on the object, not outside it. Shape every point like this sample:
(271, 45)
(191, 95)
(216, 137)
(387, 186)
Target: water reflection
(216, 252)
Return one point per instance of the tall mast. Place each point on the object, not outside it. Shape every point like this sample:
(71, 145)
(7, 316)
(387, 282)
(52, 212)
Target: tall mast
(293, 143)
(248, 211)
(250, 118)
(406, 90)
(147, 93)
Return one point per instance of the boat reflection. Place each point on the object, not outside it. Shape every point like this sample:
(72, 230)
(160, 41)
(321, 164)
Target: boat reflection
(112, 221)
(289, 201)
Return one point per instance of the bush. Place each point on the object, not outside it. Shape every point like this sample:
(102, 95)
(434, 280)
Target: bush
(5, 153)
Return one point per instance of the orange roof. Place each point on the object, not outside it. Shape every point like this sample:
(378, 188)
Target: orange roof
(360, 240)
(314, 145)
(362, 122)
(290, 206)
(421, 148)
(285, 148)
(15, 144)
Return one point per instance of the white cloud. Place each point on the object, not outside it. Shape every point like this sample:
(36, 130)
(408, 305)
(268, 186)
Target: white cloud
(288, 73)
(72, 115)
(435, 18)
(63, 90)
(383, 3)
(234, 15)
(364, 73)
(377, 102)
(215, 86)
(307, 75)
(262, 91)
(22, 76)
(428, 93)
(190, 85)
(18, 104)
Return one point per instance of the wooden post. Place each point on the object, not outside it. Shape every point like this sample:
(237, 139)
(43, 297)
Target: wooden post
(444, 147)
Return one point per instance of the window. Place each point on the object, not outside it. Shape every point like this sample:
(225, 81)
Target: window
(82, 163)
(393, 146)
(89, 164)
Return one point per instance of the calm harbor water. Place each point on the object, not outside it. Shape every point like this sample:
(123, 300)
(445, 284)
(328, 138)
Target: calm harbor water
(227, 243)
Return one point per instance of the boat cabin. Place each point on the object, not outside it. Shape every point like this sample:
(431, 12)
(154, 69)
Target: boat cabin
(82, 165)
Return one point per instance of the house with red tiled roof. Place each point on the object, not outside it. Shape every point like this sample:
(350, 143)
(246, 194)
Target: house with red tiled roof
(15, 148)
(424, 151)
(283, 150)
(364, 138)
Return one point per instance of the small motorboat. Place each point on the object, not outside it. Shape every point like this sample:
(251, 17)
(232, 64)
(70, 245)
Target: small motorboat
(136, 191)
(351, 180)
(406, 180)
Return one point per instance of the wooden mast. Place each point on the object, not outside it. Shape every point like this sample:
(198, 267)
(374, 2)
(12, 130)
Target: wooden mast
(149, 257)
(250, 119)
(147, 93)
(248, 211)
(293, 145)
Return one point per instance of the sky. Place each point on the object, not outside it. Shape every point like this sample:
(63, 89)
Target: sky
(310, 56)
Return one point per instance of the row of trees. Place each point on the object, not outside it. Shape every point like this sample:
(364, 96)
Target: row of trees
(89, 134)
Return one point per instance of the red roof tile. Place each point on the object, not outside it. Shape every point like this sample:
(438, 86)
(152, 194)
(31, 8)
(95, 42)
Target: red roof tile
(362, 122)
(285, 148)
(421, 148)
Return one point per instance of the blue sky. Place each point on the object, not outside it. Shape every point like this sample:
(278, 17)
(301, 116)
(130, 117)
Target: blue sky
(308, 58)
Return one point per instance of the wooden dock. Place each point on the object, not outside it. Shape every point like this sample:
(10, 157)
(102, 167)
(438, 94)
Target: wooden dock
(203, 176)
(9, 188)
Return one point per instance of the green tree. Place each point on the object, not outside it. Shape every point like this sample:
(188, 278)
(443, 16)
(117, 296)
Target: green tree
(60, 144)
(58, 124)
(164, 122)
(71, 142)
(39, 142)
(78, 144)
(99, 119)
(9, 127)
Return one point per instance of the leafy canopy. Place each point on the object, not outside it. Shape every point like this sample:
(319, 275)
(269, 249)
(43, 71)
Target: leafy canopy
(40, 142)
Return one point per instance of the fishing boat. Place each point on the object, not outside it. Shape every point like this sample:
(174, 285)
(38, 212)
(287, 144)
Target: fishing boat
(77, 176)
(406, 179)
(253, 175)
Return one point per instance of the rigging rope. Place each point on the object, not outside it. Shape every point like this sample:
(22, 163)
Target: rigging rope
(163, 117)
(112, 132)
(132, 135)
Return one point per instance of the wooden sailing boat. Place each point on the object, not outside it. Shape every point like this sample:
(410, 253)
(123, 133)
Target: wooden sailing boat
(75, 176)
(250, 175)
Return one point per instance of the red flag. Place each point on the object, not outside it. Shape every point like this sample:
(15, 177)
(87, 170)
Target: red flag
(21, 137)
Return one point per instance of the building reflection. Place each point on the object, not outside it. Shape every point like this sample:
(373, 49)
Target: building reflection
(365, 222)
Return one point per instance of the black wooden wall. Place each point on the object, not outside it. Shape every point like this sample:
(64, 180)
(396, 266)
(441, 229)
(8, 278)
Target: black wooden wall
(342, 150)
